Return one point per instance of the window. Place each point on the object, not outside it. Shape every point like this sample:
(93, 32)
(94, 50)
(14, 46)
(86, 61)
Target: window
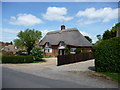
(73, 49)
(47, 44)
(62, 43)
(48, 50)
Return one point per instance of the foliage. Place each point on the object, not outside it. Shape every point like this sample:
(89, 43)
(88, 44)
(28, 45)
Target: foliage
(17, 59)
(86, 51)
(98, 37)
(37, 53)
(67, 50)
(88, 38)
(38, 61)
(78, 50)
(114, 76)
(107, 55)
(27, 39)
(111, 33)
(47, 56)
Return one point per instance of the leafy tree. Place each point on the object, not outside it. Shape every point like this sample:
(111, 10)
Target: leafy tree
(37, 53)
(98, 37)
(27, 39)
(107, 35)
(88, 38)
(111, 33)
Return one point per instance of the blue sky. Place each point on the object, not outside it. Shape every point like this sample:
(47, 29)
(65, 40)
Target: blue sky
(91, 18)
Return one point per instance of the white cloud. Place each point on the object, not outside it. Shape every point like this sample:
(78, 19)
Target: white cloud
(56, 14)
(25, 20)
(87, 21)
(12, 31)
(97, 15)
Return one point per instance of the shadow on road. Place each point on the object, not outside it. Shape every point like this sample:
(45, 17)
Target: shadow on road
(91, 68)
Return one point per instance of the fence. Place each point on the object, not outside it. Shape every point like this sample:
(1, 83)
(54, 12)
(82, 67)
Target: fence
(72, 58)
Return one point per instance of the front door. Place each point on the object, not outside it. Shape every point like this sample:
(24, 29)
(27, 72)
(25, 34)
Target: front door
(61, 52)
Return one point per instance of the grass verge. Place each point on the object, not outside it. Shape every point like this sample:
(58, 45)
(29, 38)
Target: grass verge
(38, 61)
(113, 76)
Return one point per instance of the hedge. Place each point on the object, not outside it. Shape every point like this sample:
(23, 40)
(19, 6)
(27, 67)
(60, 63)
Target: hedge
(107, 55)
(17, 59)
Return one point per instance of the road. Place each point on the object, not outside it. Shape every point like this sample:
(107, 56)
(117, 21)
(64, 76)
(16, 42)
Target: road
(48, 75)
(15, 79)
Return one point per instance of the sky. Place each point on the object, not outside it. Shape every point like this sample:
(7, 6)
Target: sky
(90, 18)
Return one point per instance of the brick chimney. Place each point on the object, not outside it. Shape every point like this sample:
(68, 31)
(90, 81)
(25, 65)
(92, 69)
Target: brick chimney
(62, 27)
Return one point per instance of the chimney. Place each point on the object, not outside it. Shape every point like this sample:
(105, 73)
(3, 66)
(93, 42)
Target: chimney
(62, 27)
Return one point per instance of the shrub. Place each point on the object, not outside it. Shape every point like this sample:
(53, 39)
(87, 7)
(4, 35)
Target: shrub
(17, 59)
(107, 55)
(86, 51)
(37, 53)
(78, 50)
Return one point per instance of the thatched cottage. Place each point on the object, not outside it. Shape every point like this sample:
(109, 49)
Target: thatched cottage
(55, 42)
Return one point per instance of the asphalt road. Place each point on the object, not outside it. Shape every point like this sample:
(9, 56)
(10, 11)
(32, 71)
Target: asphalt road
(16, 79)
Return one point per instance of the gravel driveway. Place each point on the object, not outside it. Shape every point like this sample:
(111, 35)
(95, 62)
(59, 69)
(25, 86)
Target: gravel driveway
(79, 73)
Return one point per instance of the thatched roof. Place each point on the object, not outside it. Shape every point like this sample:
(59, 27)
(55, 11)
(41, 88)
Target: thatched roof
(69, 36)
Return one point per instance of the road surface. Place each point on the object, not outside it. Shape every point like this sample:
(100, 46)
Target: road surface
(15, 79)
(48, 75)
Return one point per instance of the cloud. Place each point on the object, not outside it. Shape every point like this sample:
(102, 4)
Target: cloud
(25, 20)
(56, 14)
(87, 21)
(12, 31)
(92, 15)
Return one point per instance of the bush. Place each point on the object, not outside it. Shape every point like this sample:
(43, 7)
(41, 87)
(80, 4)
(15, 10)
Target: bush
(86, 51)
(37, 53)
(17, 59)
(78, 50)
(107, 55)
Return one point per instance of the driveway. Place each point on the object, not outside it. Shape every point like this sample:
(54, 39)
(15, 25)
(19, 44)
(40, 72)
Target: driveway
(80, 73)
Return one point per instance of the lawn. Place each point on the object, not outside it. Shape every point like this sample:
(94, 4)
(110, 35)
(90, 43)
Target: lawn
(114, 76)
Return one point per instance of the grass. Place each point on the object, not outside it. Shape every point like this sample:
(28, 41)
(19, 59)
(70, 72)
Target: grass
(113, 76)
(37, 61)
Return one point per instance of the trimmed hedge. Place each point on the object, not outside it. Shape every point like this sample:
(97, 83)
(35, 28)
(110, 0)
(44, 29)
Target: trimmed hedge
(107, 55)
(17, 59)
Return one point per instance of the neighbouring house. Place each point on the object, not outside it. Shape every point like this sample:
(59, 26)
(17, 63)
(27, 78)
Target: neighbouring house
(8, 47)
(55, 42)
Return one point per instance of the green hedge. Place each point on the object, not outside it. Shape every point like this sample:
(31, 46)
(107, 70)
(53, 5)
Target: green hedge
(17, 59)
(107, 55)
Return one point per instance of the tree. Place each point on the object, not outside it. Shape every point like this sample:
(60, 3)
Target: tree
(88, 38)
(27, 39)
(98, 37)
(111, 33)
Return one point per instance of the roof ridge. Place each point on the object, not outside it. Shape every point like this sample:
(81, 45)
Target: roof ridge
(59, 31)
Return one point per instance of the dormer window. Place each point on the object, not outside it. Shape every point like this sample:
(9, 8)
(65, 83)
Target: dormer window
(47, 44)
(62, 43)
